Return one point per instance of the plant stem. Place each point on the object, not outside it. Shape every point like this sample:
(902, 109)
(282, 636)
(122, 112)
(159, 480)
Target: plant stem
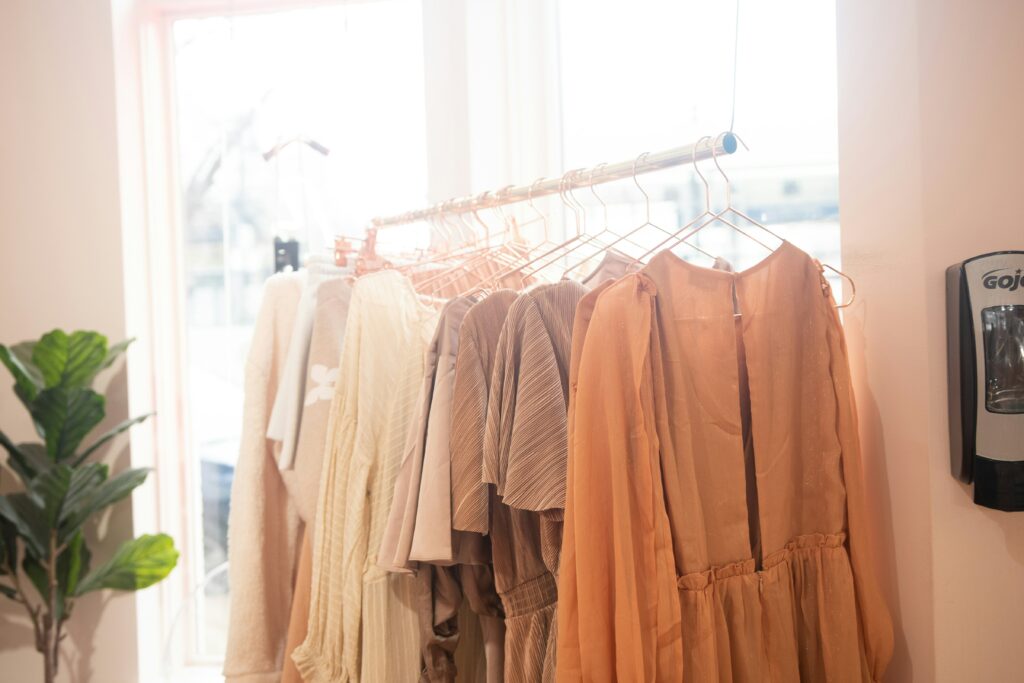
(51, 625)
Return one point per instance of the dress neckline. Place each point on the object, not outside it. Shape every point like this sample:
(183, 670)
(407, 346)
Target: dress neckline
(785, 246)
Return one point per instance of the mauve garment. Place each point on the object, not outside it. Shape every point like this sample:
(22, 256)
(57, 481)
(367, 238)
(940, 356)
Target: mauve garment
(418, 511)
(662, 578)
(452, 640)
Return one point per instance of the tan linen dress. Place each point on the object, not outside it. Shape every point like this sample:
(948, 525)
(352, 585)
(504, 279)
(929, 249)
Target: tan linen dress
(684, 559)
(303, 480)
(264, 526)
(363, 624)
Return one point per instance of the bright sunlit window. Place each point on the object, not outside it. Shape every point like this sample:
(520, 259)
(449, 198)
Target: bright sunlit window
(668, 72)
(241, 85)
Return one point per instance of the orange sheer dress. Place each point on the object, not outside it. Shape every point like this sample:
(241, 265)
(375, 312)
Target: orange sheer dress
(715, 526)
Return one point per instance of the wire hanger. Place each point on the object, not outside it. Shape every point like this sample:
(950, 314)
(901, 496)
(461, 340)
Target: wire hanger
(546, 244)
(301, 139)
(681, 235)
(582, 237)
(647, 220)
(542, 259)
(729, 208)
(489, 253)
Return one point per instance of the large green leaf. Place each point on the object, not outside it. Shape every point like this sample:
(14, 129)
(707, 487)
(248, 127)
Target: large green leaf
(50, 488)
(27, 379)
(26, 459)
(120, 427)
(115, 351)
(28, 515)
(64, 416)
(37, 575)
(36, 456)
(97, 498)
(70, 360)
(137, 564)
(73, 564)
(85, 483)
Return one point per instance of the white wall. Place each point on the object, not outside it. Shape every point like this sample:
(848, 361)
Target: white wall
(60, 264)
(929, 167)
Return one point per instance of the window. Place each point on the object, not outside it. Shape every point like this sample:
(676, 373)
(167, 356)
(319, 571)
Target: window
(516, 91)
(243, 84)
(664, 78)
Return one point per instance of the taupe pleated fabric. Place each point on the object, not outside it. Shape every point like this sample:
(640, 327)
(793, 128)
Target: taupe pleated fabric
(524, 459)
(715, 529)
(478, 343)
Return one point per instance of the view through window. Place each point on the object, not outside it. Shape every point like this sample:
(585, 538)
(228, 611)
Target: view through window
(665, 77)
(243, 84)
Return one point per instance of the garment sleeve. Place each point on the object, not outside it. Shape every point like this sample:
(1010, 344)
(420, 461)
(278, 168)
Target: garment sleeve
(320, 655)
(535, 446)
(470, 511)
(501, 400)
(876, 623)
(262, 532)
(568, 614)
(618, 601)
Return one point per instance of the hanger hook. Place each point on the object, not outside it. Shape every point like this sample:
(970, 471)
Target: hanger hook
(728, 184)
(853, 285)
(647, 199)
(593, 191)
(475, 204)
(582, 210)
(703, 179)
(498, 203)
(566, 197)
(529, 202)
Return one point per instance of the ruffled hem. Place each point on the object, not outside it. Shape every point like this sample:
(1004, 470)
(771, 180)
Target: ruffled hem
(801, 608)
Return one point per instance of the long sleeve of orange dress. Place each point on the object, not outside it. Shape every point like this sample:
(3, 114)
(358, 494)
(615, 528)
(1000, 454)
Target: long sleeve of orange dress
(622, 617)
(876, 625)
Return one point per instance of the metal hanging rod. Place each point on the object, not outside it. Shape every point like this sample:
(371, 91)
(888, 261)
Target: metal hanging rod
(725, 143)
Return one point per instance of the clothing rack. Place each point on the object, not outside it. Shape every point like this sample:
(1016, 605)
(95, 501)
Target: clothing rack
(705, 148)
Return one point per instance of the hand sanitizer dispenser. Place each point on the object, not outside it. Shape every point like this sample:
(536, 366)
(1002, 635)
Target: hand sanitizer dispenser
(985, 306)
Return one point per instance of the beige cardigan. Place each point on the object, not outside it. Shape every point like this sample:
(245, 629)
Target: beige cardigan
(263, 524)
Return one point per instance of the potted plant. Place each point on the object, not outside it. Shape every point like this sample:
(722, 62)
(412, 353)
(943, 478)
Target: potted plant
(45, 563)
